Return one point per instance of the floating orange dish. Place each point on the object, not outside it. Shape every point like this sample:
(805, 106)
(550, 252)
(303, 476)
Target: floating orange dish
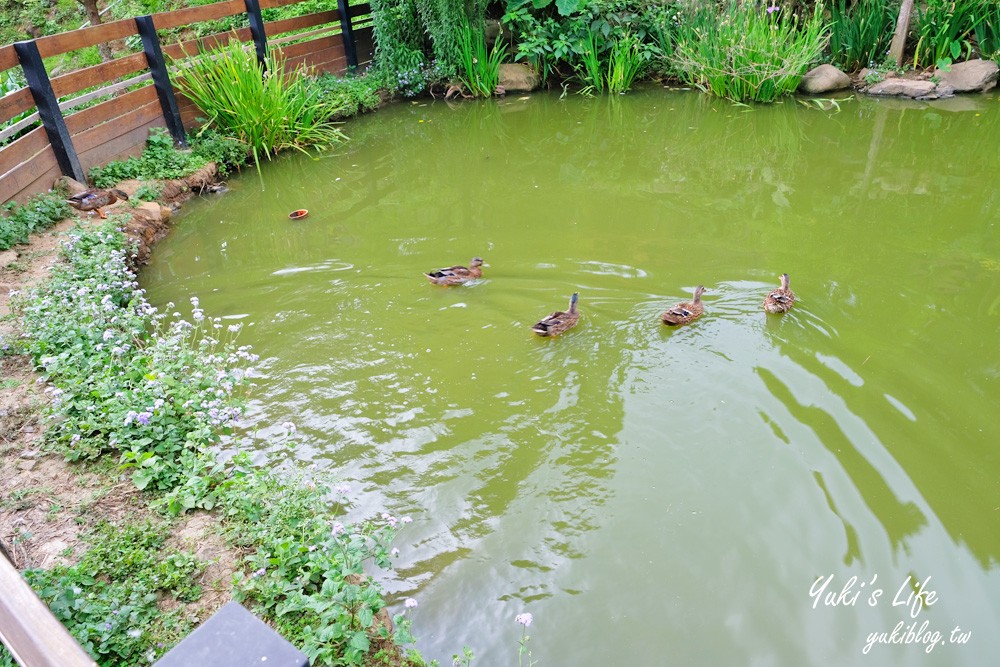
(299, 214)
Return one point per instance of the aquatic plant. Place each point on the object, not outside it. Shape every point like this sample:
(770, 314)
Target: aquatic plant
(479, 68)
(746, 52)
(987, 30)
(944, 28)
(860, 32)
(269, 109)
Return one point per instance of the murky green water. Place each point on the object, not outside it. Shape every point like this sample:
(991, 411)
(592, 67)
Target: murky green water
(652, 496)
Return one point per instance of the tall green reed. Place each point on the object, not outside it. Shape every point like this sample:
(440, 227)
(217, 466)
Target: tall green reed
(860, 32)
(479, 68)
(745, 52)
(625, 62)
(268, 109)
(944, 27)
(988, 30)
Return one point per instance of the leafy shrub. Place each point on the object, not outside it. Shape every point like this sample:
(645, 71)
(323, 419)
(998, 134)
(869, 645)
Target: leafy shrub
(148, 192)
(40, 212)
(228, 153)
(108, 600)
(351, 95)
(753, 54)
(268, 111)
(590, 39)
(159, 160)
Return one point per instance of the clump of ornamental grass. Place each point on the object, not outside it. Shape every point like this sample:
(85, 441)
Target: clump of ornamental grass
(479, 67)
(747, 52)
(860, 32)
(269, 107)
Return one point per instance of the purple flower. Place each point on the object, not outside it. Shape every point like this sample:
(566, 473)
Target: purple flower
(260, 573)
(524, 619)
(773, 8)
(410, 603)
(338, 528)
(143, 418)
(342, 489)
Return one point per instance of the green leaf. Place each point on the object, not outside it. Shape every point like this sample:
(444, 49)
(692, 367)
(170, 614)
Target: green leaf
(567, 7)
(365, 617)
(359, 641)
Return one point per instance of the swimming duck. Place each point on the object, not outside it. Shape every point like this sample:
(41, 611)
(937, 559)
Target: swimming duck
(559, 321)
(94, 200)
(781, 299)
(457, 275)
(686, 311)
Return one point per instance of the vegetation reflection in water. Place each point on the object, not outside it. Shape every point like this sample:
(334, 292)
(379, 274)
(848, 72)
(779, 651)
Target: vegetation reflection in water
(652, 495)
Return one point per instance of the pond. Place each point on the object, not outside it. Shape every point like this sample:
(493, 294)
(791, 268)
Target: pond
(652, 495)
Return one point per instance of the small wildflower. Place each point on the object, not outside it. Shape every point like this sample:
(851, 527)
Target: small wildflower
(260, 573)
(524, 619)
(288, 426)
(342, 489)
(338, 528)
(406, 519)
(410, 603)
(394, 552)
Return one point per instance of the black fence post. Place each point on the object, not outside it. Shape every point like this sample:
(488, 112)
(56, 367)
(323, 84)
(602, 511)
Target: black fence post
(161, 78)
(347, 34)
(48, 109)
(257, 30)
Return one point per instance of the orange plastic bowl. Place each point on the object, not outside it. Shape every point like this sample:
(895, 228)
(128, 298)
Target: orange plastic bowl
(299, 214)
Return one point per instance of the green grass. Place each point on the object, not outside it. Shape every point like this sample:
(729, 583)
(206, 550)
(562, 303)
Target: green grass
(745, 53)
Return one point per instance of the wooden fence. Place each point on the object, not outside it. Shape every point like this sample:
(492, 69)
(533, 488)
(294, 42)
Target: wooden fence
(70, 143)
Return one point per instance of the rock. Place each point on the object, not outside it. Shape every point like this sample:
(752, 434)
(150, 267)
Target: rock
(30, 454)
(903, 87)
(27, 465)
(148, 224)
(824, 79)
(970, 76)
(7, 257)
(70, 185)
(518, 78)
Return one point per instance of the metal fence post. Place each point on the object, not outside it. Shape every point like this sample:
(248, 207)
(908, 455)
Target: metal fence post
(48, 109)
(347, 34)
(257, 30)
(161, 78)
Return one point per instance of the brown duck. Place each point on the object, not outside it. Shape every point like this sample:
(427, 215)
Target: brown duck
(781, 299)
(686, 311)
(95, 200)
(559, 321)
(457, 275)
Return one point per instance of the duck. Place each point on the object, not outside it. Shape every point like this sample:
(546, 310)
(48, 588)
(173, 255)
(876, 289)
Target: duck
(457, 275)
(686, 311)
(781, 299)
(559, 321)
(94, 200)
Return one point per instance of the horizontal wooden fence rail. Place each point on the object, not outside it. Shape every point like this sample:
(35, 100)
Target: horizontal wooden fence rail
(142, 97)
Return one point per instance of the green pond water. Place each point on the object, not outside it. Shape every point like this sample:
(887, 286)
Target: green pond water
(652, 496)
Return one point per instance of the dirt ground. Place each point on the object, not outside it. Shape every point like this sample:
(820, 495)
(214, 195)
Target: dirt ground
(46, 503)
